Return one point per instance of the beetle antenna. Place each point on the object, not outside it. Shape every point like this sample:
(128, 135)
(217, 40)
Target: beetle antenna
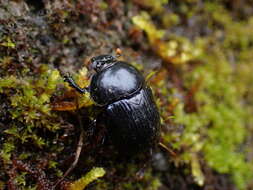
(171, 152)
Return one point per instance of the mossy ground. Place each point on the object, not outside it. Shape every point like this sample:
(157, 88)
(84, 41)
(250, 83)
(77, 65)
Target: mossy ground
(202, 54)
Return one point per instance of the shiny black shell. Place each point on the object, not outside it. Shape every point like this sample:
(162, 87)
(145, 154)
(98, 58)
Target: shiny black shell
(134, 122)
(115, 82)
(130, 113)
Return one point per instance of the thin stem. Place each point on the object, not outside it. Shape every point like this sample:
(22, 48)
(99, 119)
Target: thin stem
(78, 149)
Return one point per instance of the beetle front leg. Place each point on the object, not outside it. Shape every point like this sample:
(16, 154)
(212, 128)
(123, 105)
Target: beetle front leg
(68, 78)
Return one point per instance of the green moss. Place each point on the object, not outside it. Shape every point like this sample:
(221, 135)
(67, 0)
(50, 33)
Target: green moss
(30, 111)
(176, 49)
(92, 175)
(30, 102)
(7, 43)
(221, 119)
(143, 21)
(103, 5)
(20, 179)
(219, 127)
(8, 147)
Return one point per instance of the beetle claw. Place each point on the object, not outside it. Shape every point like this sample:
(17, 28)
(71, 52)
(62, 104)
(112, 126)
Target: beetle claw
(67, 77)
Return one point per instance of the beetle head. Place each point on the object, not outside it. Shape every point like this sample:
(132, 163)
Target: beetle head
(102, 61)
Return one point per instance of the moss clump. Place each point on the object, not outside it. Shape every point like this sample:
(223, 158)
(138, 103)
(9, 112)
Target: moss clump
(221, 119)
(177, 49)
(30, 105)
(30, 117)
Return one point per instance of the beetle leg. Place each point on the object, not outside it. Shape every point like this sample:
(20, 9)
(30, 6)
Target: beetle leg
(68, 78)
(90, 131)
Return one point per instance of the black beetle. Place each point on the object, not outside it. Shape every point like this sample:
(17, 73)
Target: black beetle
(128, 108)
